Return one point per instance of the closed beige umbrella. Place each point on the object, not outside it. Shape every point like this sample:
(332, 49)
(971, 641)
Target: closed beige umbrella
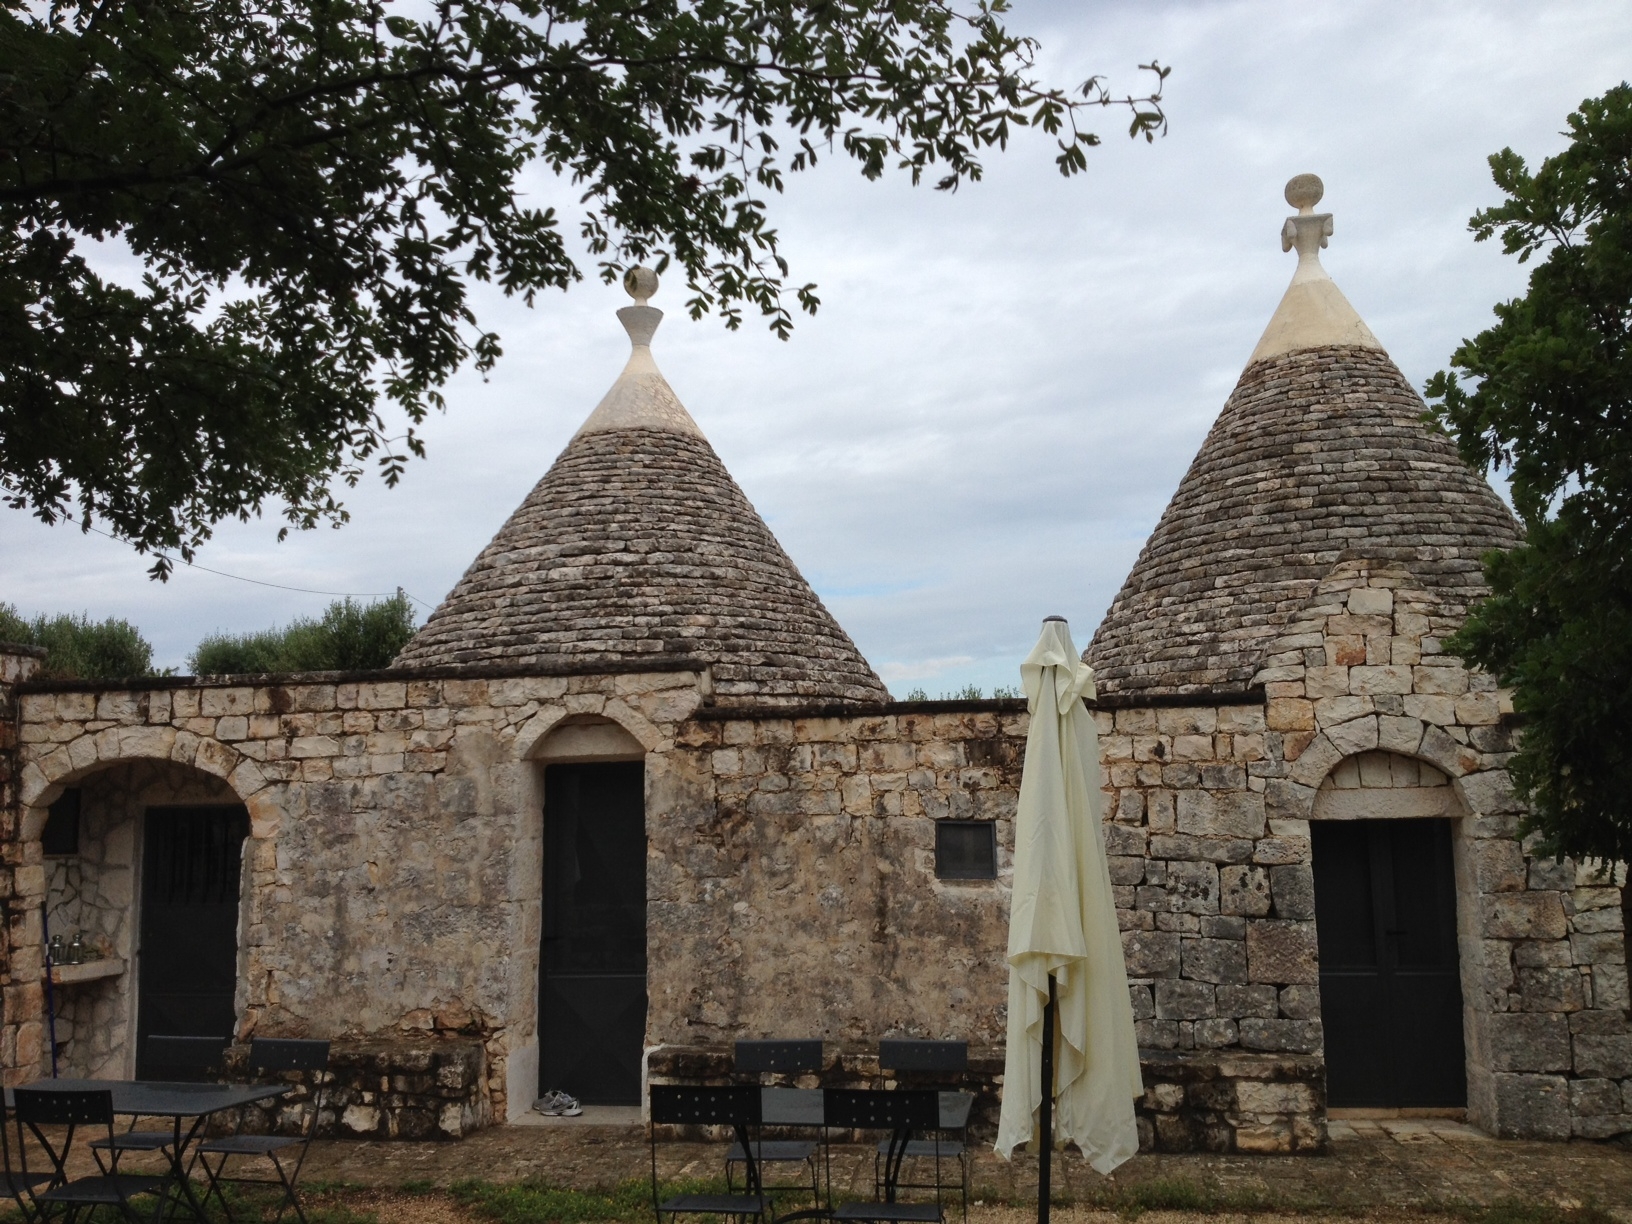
(1062, 926)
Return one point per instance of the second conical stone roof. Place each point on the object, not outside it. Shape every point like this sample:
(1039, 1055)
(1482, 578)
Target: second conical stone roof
(1320, 456)
(638, 546)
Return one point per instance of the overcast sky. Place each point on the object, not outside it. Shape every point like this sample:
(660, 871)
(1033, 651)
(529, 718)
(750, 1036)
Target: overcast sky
(1003, 386)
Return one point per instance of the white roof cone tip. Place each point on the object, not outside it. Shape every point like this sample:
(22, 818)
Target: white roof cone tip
(1313, 312)
(641, 398)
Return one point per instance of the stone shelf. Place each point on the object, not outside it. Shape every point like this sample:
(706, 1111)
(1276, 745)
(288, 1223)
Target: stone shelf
(89, 971)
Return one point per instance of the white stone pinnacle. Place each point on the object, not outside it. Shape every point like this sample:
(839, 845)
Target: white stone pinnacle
(642, 397)
(1313, 313)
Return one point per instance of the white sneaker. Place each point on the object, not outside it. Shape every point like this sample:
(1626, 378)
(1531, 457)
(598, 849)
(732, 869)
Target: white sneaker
(558, 1104)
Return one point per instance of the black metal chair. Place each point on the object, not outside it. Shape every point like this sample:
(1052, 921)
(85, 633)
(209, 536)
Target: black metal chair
(187, 1059)
(901, 1112)
(926, 1058)
(271, 1056)
(785, 1057)
(71, 1109)
(21, 1185)
(738, 1107)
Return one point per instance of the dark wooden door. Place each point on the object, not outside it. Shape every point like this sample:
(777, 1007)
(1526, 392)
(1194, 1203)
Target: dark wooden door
(192, 859)
(1390, 990)
(592, 993)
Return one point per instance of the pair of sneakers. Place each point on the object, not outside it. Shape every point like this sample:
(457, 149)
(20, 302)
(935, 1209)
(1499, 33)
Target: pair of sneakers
(558, 1104)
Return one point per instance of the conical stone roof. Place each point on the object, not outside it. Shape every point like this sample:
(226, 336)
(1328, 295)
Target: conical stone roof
(1320, 456)
(638, 546)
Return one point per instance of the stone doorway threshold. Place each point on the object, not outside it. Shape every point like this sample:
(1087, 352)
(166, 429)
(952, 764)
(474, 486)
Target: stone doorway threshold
(593, 1115)
(1385, 1115)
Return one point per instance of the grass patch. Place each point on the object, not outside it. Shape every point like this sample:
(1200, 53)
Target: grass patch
(535, 1201)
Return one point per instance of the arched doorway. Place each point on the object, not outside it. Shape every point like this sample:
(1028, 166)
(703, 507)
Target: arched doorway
(1385, 912)
(143, 861)
(592, 959)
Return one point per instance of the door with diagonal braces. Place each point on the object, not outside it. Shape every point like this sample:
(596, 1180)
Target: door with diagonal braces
(592, 989)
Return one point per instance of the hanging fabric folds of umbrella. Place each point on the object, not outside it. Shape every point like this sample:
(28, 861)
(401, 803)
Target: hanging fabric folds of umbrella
(1062, 924)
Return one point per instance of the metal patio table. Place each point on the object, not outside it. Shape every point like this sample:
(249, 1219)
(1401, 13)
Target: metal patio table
(174, 1100)
(803, 1107)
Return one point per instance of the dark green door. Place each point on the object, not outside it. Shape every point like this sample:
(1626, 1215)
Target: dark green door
(592, 989)
(1390, 987)
(192, 859)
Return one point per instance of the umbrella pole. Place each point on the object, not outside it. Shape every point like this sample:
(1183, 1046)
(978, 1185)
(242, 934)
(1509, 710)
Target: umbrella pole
(1045, 1120)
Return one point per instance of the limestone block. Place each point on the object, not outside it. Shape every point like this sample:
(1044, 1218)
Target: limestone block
(1288, 1036)
(1532, 1106)
(1160, 811)
(1151, 954)
(1281, 952)
(1597, 921)
(1285, 800)
(1268, 1097)
(1326, 682)
(1399, 734)
(1497, 865)
(1314, 764)
(1216, 1034)
(1225, 814)
(1595, 1096)
(1199, 720)
(1449, 754)
(1478, 709)
(1528, 1041)
(1449, 678)
(1523, 916)
(1219, 961)
(1610, 988)
(1370, 601)
(1192, 888)
(1380, 678)
(1356, 736)
(1269, 851)
(1490, 791)
(1241, 719)
(1182, 1000)
(1555, 876)
(1242, 1001)
(1243, 891)
(1552, 990)
(1608, 948)
(1200, 849)
(1222, 926)
(1290, 714)
(1293, 889)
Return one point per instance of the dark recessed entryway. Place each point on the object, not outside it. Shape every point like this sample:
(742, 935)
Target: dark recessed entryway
(592, 989)
(192, 862)
(1390, 991)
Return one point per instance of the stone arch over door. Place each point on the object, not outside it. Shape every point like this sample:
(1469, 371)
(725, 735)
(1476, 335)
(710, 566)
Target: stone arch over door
(1394, 912)
(96, 889)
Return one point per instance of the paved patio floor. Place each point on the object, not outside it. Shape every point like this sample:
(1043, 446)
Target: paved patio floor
(1371, 1165)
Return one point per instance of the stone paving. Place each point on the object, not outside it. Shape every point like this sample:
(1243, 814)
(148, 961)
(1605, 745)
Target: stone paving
(1370, 1164)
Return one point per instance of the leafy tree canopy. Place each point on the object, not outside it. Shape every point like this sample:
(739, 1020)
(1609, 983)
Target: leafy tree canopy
(309, 188)
(348, 637)
(77, 647)
(1548, 396)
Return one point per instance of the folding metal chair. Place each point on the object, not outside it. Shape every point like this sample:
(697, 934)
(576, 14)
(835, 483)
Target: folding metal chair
(19, 1183)
(71, 1109)
(271, 1056)
(188, 1059)
(913, 1055)
(901, 1112)
(786, 1057)
(738, 1107)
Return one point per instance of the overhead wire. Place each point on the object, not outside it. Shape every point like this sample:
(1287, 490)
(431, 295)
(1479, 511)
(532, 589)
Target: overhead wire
(275, 585)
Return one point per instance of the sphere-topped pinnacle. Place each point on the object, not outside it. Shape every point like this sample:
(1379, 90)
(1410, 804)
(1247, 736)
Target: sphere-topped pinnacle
(1303, 192)
(640, 284)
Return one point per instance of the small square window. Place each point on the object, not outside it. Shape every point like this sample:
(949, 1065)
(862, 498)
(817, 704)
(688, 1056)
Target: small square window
(61, 832)
(966, 849)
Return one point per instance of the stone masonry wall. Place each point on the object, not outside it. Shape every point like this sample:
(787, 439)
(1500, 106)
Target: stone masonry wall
(22, 879)
(392, 872)
(1211, 863)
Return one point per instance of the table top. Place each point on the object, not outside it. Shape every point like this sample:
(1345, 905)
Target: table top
(803, 1107)
(168, 1098)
